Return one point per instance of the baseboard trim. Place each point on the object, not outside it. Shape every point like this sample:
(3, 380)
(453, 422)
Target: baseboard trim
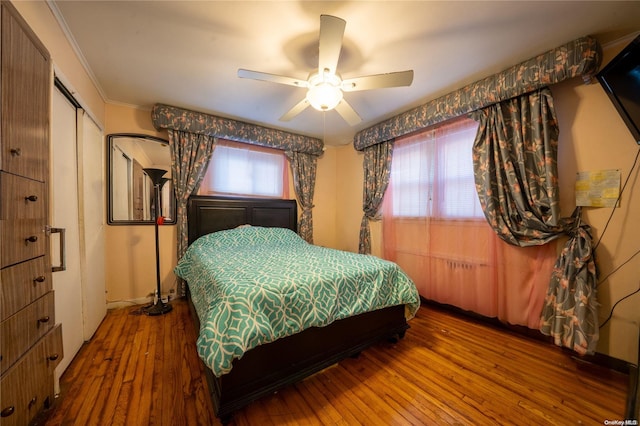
(117, 304)
(597, 360)
(602, 360)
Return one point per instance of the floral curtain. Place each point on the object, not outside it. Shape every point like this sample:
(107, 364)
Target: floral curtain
(515, 166)
(190, 154)
(570, 312)
(303, 168)
(377, 168)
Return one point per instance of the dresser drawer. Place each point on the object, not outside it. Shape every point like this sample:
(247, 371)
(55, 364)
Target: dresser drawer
(26, 88)
(21, 198)
(22, 284)
(27, 387)
(24, 154)
(22, 330)
(22, 239)
(53, 350)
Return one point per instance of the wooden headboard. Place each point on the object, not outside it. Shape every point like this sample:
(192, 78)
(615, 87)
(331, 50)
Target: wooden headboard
(206, 214)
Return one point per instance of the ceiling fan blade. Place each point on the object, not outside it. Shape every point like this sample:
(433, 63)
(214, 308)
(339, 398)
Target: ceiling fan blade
(273, 78)
(348, 113)
(331, 33)
(378, 81)
(297, 109)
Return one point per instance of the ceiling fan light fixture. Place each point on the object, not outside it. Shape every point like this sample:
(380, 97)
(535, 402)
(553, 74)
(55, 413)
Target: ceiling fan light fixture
(324, 92)
(325, 87)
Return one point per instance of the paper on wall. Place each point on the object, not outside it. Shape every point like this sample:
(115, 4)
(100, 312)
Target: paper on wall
(598, 188)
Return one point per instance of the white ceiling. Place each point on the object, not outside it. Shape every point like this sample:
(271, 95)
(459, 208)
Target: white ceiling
(187, 53)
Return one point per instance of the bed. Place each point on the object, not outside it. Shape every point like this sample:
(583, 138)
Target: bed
(240, 371)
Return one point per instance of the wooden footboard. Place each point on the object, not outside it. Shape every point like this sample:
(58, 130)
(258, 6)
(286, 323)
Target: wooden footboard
(267, 368)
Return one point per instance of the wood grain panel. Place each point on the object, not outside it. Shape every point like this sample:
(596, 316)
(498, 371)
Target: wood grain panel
(25, 95)
(21, 198)
(13, 393)
(26, 386)
(22, 284)
(25, 81)
(37, 378)
(22, 239)
(53, 350)
(23, 329)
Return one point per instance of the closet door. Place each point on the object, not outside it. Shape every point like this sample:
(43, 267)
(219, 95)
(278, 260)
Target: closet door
(92, 220)
(64, 200)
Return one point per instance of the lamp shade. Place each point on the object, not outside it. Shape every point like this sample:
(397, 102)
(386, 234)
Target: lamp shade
(324, 96)
(155, 175)
(324, 91)
(162, 182)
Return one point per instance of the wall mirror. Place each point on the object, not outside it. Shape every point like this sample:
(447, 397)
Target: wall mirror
(131, 199)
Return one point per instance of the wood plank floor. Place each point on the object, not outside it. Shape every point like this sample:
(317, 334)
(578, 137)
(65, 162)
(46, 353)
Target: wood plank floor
(448, 370)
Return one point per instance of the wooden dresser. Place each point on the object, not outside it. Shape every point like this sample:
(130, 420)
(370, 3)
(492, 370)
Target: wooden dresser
(30, 342)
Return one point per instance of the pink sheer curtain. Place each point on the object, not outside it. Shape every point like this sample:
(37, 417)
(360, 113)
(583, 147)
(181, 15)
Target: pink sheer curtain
(434, 228)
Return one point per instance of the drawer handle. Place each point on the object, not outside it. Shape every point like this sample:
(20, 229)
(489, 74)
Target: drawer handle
(39, 279)
(33, 198)
(16, 152)
(31, 239)
(53, 357)
(7, 411)
(33, 402)
(45, 319)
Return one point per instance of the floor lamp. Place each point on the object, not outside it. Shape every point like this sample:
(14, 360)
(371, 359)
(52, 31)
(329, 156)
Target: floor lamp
(159, 307)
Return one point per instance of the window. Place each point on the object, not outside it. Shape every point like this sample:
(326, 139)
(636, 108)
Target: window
(411, 182)
(434, 229)
(432, 173)
(247, 170)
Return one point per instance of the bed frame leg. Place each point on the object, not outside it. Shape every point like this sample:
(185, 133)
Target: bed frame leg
(395, 338)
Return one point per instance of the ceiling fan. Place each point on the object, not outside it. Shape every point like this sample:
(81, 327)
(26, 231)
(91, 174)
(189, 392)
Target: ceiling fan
(325, 86)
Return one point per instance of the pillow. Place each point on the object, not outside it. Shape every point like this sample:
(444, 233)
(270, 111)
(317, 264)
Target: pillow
(246, 236)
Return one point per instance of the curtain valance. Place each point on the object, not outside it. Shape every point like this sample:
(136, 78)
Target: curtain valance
(580, 57)
(169, 117)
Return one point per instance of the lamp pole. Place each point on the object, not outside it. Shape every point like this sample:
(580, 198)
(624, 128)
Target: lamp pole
(158, 307)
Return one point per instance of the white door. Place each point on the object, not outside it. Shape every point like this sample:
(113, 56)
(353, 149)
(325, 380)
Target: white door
(92, 218)
(64, 201)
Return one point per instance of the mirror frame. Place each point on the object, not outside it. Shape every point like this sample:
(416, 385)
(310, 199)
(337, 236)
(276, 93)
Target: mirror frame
(110, 219)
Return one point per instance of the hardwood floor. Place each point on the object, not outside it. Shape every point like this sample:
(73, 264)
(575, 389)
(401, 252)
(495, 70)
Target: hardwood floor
(448, 370)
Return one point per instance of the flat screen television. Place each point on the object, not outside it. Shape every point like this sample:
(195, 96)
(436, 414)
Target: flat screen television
(620, 79)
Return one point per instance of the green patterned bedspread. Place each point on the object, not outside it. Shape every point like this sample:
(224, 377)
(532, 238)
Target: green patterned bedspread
(254, 285)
